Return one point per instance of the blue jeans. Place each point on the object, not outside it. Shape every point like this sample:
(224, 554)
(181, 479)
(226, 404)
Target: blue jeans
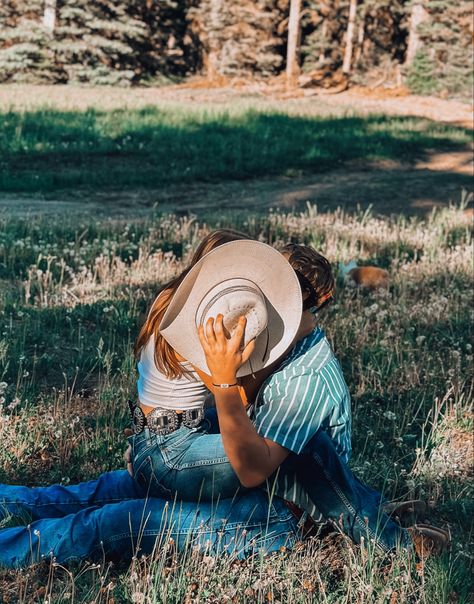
(190, 462)
(193, 464)
(349, 505)
(112, 516)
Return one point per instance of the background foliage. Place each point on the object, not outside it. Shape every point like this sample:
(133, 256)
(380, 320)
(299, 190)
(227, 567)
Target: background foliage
(149, 41)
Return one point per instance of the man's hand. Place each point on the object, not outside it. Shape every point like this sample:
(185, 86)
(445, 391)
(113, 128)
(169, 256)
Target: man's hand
(127, 457)
(225, 354)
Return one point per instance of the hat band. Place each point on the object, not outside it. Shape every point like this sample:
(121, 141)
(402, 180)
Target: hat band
(224, 292)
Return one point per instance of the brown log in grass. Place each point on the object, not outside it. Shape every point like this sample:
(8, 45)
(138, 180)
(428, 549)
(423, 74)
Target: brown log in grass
(369, 277)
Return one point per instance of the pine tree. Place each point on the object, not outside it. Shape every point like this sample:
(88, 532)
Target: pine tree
(324, 23)
(421, 77)
(140, 41)
(378, 34)
(238, 38)
(382, 37)
(25, 44)
(100, 42)
(170, 47)
(94, 41)
(446, 38)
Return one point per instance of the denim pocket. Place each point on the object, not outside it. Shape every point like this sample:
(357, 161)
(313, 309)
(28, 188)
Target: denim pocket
(173, 447)
(146, 477)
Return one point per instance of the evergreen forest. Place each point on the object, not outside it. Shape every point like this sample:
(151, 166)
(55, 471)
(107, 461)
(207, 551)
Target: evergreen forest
(425, 45)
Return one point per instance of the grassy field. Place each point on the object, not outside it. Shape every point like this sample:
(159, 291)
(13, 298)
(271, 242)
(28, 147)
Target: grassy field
(44, 150)
(72, 295)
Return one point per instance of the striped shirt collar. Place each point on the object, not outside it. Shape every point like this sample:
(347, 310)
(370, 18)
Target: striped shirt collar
(302, 346)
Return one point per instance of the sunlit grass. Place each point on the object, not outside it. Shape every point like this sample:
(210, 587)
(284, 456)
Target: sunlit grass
(49, 149)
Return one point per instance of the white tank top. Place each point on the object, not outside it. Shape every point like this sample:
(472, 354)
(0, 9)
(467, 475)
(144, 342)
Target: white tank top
(157, 390)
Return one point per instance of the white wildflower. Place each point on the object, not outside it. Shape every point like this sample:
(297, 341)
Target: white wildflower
(15, 402)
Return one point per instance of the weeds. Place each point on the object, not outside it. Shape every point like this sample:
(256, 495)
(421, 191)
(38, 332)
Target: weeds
(73, 295)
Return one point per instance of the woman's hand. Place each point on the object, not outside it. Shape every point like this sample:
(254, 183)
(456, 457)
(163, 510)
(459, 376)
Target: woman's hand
(224, 354)
(127, 457)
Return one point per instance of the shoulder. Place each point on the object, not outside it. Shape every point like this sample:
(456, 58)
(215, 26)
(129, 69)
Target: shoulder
(295, 381)
(317, 369)
(333, 378)
(306, 359)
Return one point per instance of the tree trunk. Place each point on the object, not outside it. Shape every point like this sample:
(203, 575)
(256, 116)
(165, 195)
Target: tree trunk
(324, 33)
(347, 62)
(418, 15)
(211, 60)
(292, 51)
(360, 40)
(49, 15)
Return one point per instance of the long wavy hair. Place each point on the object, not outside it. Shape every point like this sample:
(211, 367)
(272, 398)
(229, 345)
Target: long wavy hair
(165, 357)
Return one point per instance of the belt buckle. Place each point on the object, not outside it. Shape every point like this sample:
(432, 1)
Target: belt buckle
(193, 417)
(162, 421)
(138, 418)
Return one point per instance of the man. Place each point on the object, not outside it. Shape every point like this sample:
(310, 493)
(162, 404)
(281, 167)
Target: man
(299, 438)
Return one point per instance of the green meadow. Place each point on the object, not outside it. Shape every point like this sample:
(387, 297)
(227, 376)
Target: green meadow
(44, 150)
(74, 291)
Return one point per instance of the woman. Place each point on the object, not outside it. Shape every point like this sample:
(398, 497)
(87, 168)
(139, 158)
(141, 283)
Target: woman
(113, 514)
(186, 456)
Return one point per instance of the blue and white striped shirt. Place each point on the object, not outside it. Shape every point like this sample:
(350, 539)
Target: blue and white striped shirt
(306, 393)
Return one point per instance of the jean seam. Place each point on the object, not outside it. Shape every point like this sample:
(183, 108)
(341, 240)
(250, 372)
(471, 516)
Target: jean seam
(163, 439)
(81, 502)
(157, 533)
(348, 505)
(197, 464)
(137, 450)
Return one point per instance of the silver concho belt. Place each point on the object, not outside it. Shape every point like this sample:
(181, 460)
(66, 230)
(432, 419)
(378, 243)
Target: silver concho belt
(163, 421)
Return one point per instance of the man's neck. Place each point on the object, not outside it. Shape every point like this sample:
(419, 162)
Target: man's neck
(307, 325)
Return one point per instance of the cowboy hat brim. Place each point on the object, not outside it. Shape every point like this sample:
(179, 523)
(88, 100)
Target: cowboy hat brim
(245, 259)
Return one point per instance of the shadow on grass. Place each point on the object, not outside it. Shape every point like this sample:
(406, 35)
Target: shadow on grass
(47, 150)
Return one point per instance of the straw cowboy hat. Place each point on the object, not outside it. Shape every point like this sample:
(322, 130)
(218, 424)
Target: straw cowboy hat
(238, 278)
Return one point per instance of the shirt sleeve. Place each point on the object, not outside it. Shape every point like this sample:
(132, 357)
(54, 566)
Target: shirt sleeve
(294, 407)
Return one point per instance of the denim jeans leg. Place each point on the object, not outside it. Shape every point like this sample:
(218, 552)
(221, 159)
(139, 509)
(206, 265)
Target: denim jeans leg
(121, 530)
(342, 499)
(57, 500)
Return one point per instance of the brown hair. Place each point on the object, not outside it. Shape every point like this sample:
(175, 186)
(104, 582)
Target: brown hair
(314, 274)
(165, 357)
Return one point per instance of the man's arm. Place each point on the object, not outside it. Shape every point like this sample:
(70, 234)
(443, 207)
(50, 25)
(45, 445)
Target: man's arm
(252, 457)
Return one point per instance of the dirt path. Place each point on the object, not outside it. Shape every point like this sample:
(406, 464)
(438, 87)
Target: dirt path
(389, 188)
(358, 101)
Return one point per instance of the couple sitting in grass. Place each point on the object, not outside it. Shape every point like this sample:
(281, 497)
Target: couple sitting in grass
(241, 324)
